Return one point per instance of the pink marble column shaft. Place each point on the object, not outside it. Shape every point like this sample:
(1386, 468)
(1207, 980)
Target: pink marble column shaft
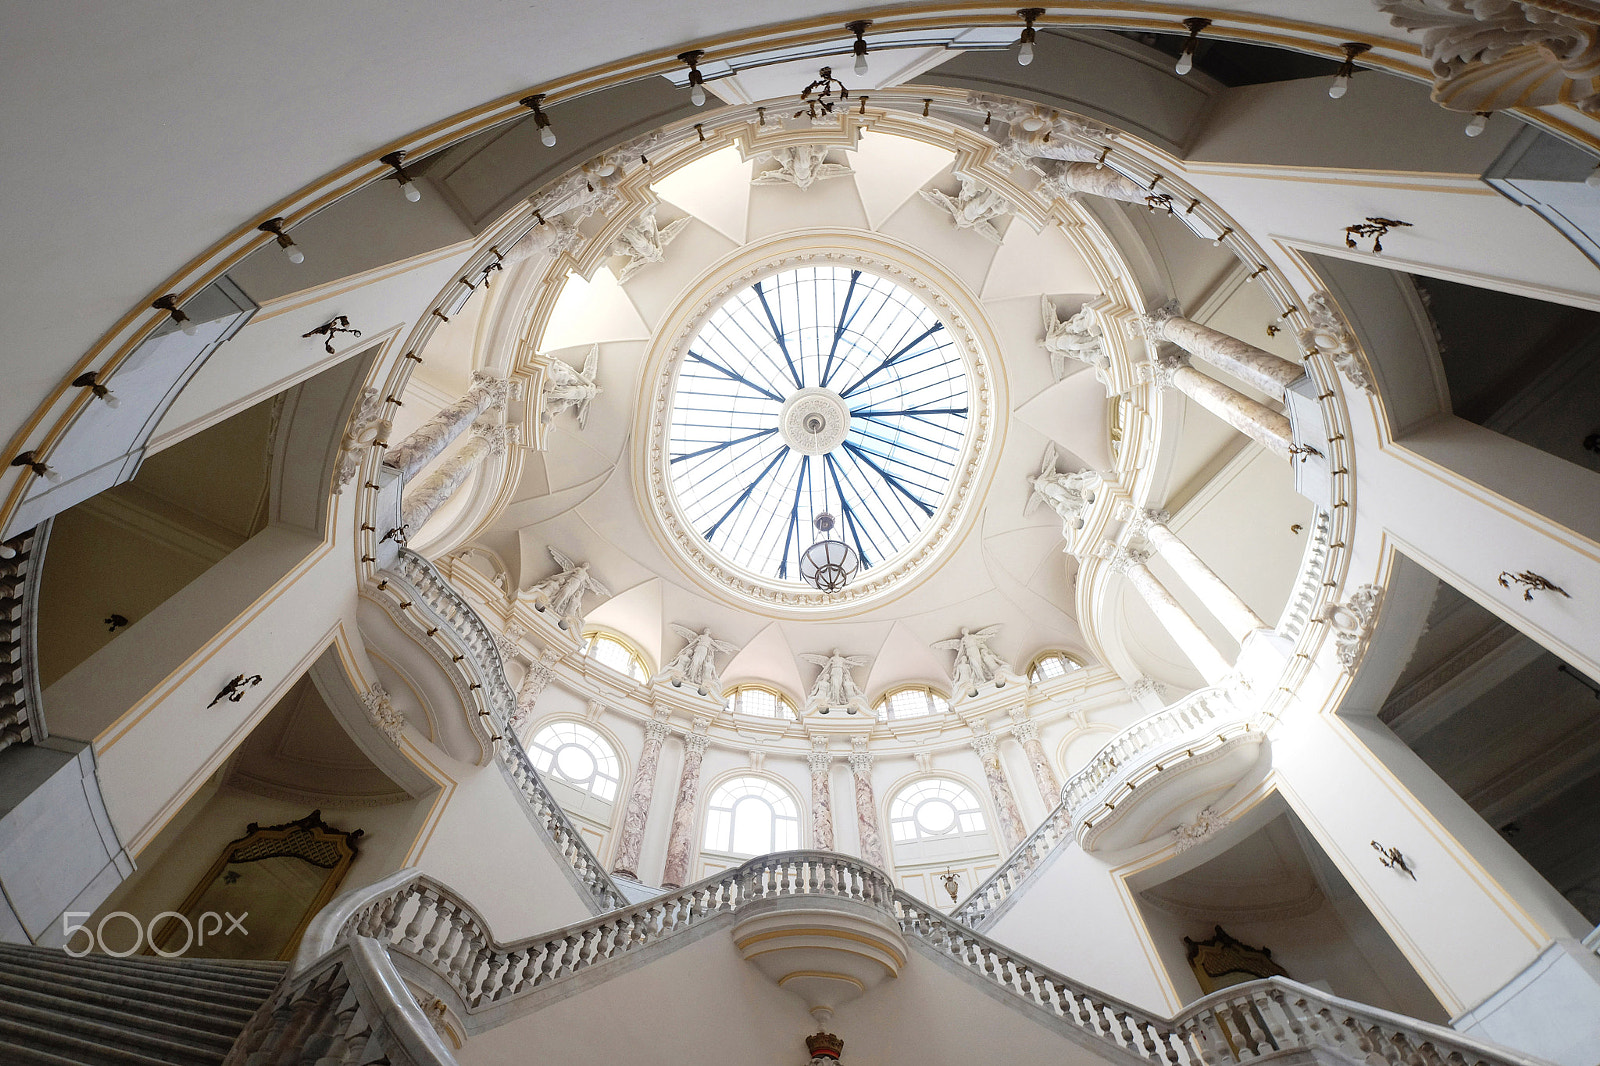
(487, 393)
(433, 491)
(1255, 420)
(1005, 804)
(821, 801)
(680, 844)
(1251, 365)
(630, 841)
(1190, 638)
(1044, 775)
(866, 809)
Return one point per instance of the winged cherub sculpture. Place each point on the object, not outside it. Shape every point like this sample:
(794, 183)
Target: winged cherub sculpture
(563, 594)
(696, 662)
(801, 165)
(566, 388)
(835, 687)
(1068, 495)
(976, 665)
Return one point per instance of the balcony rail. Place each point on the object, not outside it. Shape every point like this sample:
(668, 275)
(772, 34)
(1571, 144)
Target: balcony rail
(1308, 588)
(20, 720)
(433, 600)
(985, 900)
(417, 917)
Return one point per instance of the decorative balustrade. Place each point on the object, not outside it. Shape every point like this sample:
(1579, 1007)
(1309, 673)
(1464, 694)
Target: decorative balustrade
(20, 721)
(981, 905)
(1302, 605)
(417, 917)
(413, 578)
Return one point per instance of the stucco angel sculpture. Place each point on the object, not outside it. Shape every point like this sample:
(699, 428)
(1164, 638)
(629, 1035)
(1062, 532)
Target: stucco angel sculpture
(1068, 495)
(696, 663)
(835, 687)
(974, 207)
(563, 594)
(566, 388)
(1078, 338)
(645, 241)
(976, 664)
(801, 165)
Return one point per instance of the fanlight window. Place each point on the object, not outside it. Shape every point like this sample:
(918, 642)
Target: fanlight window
(609, 651)
(761, 703)
(1052, 664)
(578, 756)
(934, 809)
(916, 701)
(751, 816)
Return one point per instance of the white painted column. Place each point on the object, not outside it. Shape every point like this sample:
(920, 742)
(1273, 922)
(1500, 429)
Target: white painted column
(1255, 420)
(1191, 639)
(1005, 804)
(630, 840)
(680, 845)
(488, 393)
(1217, 595)
(866, 804)
(1272, 374)
(1026, 730)
(433, 491)
(821, 762)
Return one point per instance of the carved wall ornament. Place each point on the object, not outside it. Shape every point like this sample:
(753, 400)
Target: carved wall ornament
(976, 664)
(975, 207)
(1352, 623)
(1078, 338)
(645, 242)
(381, 713)
(1122, 557)
(1205, 825)
(365, 428)
(835, 686)
(1147, 686)
(553, 237)
(568, 389)
(1329, 335)
(1493, 54)
(562, 594)
(800, 165)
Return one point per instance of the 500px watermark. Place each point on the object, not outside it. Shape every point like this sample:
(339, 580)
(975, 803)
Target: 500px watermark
(209, 924)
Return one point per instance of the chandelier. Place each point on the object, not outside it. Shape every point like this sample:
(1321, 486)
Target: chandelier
(828, 565)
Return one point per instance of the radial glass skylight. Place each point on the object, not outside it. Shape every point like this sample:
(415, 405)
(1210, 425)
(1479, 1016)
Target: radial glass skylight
(819, 389)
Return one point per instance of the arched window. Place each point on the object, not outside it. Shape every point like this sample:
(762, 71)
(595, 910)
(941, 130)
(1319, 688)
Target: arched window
(1053, 664)
(751, 816)
(609, 651)
(913, 701)
(934, 809)
(760, 703)
(576, 755)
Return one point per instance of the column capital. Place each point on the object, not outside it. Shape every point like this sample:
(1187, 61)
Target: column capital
(983, 742)
(1140, 519)
(819, 761)
(657, 730)
(498, 437)
(698, 738)
(1162, 369)
(1122, 558)
(860, 757)
(493, 388)
(1026, 730)
(1146, 686)
(1154, 323)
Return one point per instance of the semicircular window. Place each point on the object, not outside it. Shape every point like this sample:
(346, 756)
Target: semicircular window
(817, 390)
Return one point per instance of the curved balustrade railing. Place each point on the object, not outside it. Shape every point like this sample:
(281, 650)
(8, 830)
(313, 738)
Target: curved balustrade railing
(415, 580)
(416, 916)
(20, 719)
(981, 905)
(1308, 587)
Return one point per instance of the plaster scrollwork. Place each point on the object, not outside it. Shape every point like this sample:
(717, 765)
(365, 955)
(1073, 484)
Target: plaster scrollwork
(1162, 369)
(509, 643)
(1122, 557)
(381, 713)
(800, 165)
(566, 388)
(835, 686)
(563, 593)
(1147, 686)
(1352, 623)
(1078, 338)
(1329, 335)
(976, 664)
(645, 241)
(1205, 825)
(696, 662)
(365, 428)
(1035, 132)
(1069, 495)
(976, 207)
(1493, 54)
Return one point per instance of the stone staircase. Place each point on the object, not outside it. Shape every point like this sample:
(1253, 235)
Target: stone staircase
(56, 1010)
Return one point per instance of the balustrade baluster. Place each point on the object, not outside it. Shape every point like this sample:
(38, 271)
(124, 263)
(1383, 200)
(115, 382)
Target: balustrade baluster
(438, 928)
(414, 929)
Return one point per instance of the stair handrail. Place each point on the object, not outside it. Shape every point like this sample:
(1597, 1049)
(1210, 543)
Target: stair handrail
(982, 902)
(483, 664)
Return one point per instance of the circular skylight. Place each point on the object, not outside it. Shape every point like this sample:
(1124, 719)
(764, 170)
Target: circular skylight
(818, 389)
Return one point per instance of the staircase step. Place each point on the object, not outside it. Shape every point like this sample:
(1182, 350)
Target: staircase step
(86, 1052)
(163, 994)
(245, 992)
(152, 1036)
(129, 1011)
(216, 970)
(23, 1055)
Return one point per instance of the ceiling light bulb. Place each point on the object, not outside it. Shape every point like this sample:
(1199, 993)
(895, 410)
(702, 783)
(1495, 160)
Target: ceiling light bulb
(697, 94)
(1025, 54)
(1593, 180)
(988, 120)
(1479, 123)
(1185, 62)
(51, 476)
(861, 63)
(111, 400)
(547, 136)
(410, 190)
(1340, 86)
(189, 326)
(296, 256)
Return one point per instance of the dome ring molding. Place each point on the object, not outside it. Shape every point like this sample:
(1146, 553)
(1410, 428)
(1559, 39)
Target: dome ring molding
(961, 313)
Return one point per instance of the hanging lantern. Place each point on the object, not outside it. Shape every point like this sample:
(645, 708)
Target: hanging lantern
(828, 565)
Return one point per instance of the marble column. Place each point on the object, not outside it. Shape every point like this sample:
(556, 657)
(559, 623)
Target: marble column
(630, 841)
(1254, 366)
(488, 393)
(1067, 178)
(1191, 639)
(680, 844)
(433, 491)
(540, 671)
(821, 796)
(1255, 420)
(1005, 804)
(1217, 595)
(866, 806)
(1026, 730)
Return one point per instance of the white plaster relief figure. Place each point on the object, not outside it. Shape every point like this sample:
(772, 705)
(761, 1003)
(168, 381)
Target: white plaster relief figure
(696, 663)
(976, 665)
(364, 429)
(801, 165)
(554, 237)
(569, 389)
(644, 242)
(1079, 338)
(563, 594)
(835, 687)
(1068, 495)
(381, 712)
(975, 207)
(1032, 132)
(1329, 334)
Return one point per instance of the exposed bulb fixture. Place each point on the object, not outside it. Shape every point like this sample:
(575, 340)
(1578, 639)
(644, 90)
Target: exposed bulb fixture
(1033, 123)
(988, 120)
(1186, 57)
(1593, 180)
(828, 565)
(274, 226)
(169, 304)
(1341, 80)
(859, 28)
(697, 80)
(547, 136)
(1025, 53)
(91, 382)
(38, 466)
(408, 188)
(1479, 123)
